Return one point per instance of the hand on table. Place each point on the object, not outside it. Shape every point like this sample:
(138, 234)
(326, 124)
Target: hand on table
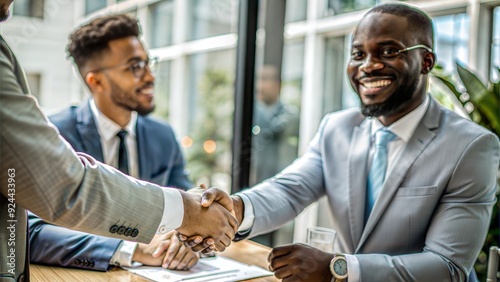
(166, 251)
(300, 262)
(208, 219)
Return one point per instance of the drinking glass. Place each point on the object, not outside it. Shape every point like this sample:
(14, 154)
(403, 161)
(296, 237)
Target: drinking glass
(321, 238)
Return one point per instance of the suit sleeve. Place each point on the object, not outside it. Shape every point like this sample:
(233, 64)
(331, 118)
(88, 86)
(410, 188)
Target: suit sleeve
(63, 187)
(59, 246)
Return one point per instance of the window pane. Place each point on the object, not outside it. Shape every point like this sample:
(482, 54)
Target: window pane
(160, 31)
(452, 35)
(296, 10)
(495, 47)
(211, 104)
(335, 7)
(162, 90)
(210, 18)
(28, 8)
(334, 73)
(276, 114)
(94, 5)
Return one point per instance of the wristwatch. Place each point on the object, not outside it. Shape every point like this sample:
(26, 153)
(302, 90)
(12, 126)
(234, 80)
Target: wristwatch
(338, 267)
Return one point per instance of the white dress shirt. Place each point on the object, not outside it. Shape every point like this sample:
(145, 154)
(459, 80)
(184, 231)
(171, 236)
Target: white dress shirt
(403, 129)
(109, 141)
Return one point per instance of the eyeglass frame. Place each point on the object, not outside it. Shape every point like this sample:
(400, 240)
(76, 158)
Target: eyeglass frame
(416, 47)
(150, 63)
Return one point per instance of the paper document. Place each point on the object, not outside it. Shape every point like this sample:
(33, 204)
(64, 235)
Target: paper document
(207, 269)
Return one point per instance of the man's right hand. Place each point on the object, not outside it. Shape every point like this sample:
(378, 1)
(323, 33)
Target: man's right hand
(213, 220)
(205, 245)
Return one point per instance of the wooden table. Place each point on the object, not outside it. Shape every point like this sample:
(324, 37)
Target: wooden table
(245, 251)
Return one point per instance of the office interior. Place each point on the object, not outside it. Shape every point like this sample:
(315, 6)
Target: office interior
(207, 82)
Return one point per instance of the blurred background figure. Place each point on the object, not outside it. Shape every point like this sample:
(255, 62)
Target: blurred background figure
(275, 127)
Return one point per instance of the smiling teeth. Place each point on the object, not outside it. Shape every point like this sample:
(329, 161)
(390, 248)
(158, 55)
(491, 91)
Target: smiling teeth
(376, 84)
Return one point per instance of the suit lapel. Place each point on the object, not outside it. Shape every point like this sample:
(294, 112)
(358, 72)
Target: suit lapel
(422, 136)
(142, 147)
(90, 138)
(358, 157)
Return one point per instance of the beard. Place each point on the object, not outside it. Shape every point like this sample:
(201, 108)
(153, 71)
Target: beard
(124, 99)
(400, 98)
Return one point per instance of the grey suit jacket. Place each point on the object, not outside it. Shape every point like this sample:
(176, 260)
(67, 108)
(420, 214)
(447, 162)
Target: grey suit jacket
(160, 162)
(62, 187)
(432, 215)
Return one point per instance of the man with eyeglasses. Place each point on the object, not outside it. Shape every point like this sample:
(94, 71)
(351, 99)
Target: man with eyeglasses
(411, 185)
(119, 74)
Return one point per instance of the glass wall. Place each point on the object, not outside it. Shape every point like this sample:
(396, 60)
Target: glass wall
(162, 90)
(336, 7)
(495, 46)
(452, 36)
(210, 18)
(210, 92)
(94, 5)
(28, 8)
(161, 23)
(296, 10)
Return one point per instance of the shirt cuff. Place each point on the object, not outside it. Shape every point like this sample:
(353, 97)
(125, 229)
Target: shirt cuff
(248, 216)
(123, 255)
(353, 267)
(173, 211)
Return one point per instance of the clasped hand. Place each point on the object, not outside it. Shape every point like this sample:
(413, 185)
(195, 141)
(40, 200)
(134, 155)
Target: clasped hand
(212, 218)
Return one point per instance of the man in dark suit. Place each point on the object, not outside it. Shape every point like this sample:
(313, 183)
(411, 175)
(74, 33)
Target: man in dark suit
(122, 96)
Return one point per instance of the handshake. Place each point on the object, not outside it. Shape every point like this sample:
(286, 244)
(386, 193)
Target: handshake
(211, 220)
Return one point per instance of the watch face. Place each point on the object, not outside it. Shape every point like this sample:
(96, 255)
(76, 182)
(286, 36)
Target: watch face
(340, 267)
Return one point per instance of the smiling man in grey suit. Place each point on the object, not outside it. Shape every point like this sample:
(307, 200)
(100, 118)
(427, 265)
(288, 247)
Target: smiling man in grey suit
(432, 212)
(122, 97)
(42, 173)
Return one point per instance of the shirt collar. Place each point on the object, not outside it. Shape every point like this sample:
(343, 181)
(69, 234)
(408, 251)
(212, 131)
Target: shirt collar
(107, 128)
(405, 126)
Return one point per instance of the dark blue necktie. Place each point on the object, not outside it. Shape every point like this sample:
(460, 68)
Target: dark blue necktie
(377, 171)
(122, 152)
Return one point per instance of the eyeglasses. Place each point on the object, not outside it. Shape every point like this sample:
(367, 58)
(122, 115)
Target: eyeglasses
(385, 52)
(137, 68)
(415, 47)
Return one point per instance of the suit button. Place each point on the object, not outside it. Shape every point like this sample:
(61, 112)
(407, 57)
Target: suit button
(92, 263)
(135, 232)
(77, 261)
(128, 232)
(113, 229)
(121, 230)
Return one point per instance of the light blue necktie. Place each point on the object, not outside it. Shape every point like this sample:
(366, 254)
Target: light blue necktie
(378, 168)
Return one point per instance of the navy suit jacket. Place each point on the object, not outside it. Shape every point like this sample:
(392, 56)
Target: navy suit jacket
(160, 161)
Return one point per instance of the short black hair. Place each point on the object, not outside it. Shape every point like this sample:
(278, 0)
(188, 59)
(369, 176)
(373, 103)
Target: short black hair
(420, 23)
(91, 39)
